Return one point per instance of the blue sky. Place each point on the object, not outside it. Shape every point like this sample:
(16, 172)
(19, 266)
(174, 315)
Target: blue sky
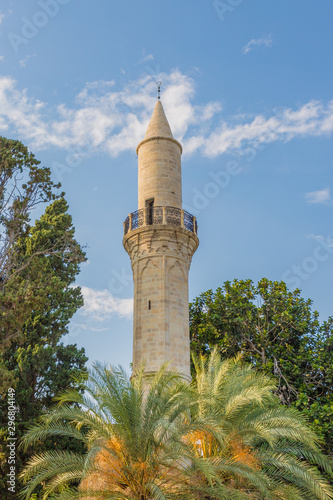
(247, 88)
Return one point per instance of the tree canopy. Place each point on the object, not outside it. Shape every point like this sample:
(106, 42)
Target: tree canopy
(39, 262)
(277, 331)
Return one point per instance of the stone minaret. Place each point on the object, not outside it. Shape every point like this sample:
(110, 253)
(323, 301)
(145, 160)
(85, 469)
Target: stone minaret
(160, 238)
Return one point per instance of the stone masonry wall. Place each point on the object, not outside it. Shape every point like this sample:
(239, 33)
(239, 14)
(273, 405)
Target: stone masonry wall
(161, 258)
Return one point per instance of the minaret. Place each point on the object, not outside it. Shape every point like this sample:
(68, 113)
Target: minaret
(160, 238)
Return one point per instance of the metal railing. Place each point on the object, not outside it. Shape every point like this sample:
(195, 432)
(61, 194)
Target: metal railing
(151, 216)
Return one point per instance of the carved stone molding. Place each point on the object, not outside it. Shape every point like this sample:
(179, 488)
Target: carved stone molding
(149, 241)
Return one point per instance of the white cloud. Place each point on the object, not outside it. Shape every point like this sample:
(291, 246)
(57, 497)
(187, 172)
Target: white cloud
(85, 263)
(97, 84)
(4, 15)
(148, 57)
(265, 41)
(323, 196)
(74, 327)
(23, 62)
(102, 305)
(106, 119)
(2, 58)
(312, 119)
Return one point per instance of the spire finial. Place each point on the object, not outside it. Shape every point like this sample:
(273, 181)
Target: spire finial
(158, 90)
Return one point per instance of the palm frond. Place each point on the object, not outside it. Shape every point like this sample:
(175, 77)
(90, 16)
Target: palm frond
(225, 436)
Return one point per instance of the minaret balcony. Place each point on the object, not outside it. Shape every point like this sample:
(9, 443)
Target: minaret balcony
(152, 216)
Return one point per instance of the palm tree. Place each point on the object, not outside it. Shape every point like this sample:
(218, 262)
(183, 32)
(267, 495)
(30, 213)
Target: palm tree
(128, 428)
(223, 437)
(243, 440)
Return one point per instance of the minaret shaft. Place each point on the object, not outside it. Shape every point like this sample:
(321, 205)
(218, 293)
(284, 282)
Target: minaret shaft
(161, 240)
(160, 176)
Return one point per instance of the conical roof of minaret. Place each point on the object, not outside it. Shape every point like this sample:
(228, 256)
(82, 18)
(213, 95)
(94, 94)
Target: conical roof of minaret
(158, 125)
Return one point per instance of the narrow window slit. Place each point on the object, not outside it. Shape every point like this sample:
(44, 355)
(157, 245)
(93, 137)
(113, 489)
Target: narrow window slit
(149, 305)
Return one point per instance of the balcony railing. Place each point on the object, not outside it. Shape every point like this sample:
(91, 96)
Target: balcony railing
(151, 216)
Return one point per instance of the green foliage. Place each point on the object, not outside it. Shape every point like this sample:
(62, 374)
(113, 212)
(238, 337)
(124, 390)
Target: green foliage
(225, 436)
(256, 444)
(278, 332)
(38, 262)
(128, 435)
(23, 186)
